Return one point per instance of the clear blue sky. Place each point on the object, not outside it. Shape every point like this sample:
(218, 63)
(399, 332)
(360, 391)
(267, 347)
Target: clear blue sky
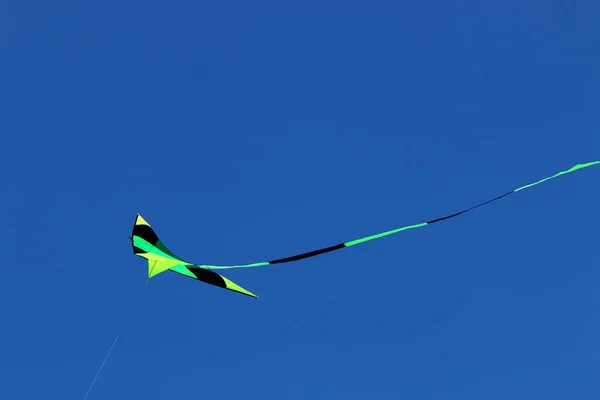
(245, 131)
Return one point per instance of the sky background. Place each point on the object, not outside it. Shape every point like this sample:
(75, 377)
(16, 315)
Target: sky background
(247, 131)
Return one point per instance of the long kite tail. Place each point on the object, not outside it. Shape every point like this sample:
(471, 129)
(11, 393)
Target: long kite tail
(393, 231)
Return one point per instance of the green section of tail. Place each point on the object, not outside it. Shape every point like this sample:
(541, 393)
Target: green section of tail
(575, 168)
(380, 235)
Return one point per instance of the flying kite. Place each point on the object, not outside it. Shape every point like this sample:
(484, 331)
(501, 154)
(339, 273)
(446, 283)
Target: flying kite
(146, 244)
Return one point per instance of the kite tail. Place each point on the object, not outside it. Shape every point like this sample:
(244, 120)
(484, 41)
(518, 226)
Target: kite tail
(355, 242)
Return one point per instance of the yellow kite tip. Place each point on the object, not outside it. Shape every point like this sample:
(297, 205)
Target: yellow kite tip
(139, 220)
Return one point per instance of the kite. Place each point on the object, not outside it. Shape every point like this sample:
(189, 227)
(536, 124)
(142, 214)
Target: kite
(146, 244)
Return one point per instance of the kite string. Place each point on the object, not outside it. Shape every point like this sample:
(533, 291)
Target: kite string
(101, 366)
(106, 357)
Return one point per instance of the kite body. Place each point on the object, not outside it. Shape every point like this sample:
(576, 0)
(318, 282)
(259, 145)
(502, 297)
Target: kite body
(146, 244)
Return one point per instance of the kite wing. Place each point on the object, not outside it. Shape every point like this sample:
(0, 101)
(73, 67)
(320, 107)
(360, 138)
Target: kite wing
(146, 244)
(393, 231)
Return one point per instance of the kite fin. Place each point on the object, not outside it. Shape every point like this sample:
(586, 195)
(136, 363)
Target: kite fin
(146, 244)
(155, 267)
(210, 277)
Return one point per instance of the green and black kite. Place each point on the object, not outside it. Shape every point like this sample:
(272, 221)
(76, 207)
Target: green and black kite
(146, 244)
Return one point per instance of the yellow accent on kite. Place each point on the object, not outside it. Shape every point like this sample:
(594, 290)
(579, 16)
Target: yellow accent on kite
(156, 266)
(237, 288)
(159, 257)
(141, 221)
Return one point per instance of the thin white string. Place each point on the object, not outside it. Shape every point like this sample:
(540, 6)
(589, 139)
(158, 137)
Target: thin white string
(101, 366)
(108, 353)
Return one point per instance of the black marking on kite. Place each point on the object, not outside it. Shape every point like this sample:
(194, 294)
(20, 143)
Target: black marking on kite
(146, 233)
(210, 277)
(137, 250)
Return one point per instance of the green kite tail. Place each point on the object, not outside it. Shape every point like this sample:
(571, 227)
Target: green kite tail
(146, 244)
(393, 231)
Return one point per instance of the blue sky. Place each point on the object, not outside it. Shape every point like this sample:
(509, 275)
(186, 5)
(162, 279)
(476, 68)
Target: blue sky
(245, 131)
